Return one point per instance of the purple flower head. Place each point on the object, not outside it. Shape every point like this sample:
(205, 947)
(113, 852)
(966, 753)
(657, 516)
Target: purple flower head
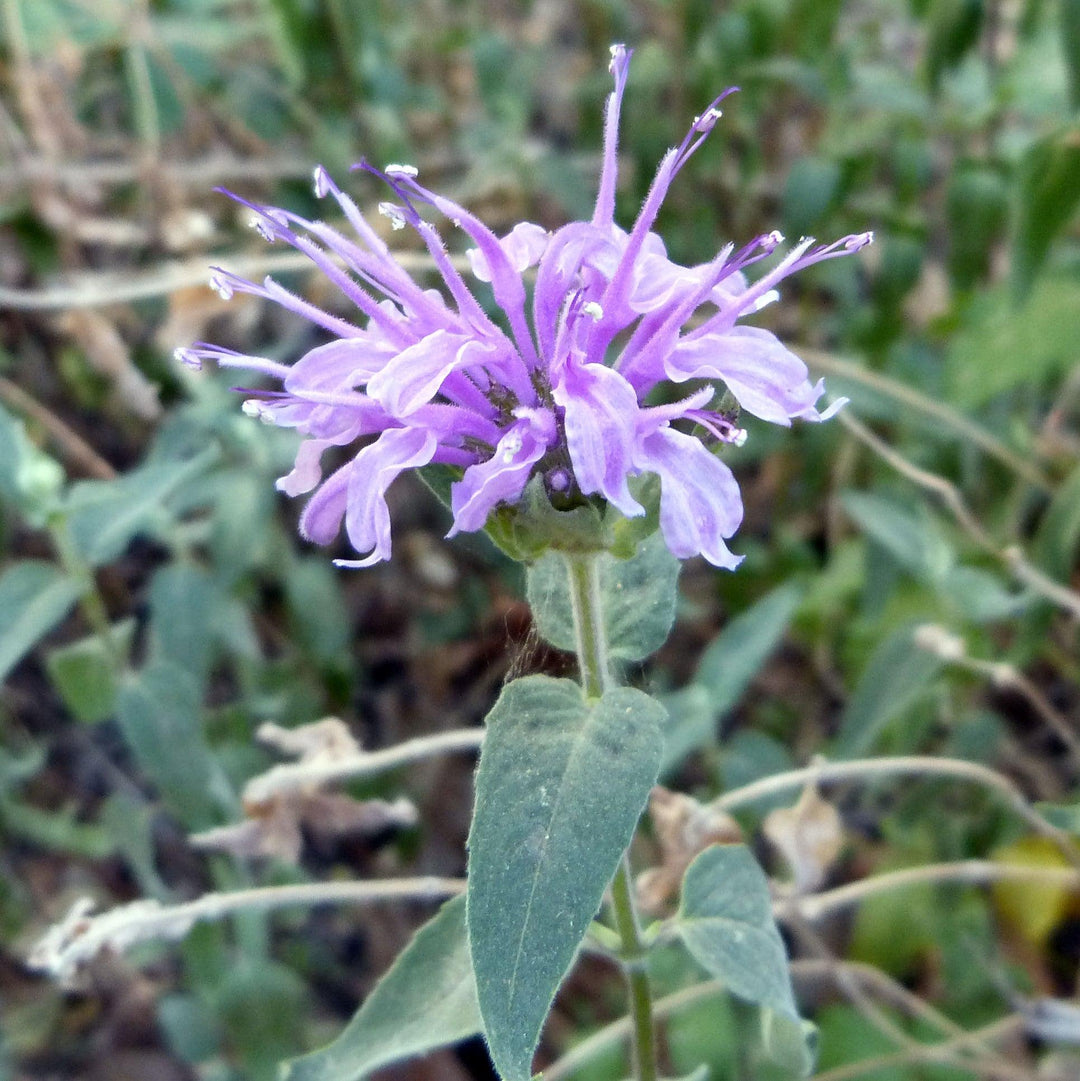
(557, 387)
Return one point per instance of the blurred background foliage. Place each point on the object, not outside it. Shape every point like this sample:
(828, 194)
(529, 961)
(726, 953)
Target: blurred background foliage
(156, 605)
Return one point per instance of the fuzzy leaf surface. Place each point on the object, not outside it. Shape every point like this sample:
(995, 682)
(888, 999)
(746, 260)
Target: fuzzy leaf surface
(725, 921)
(34, 597)
(561, 784)
(639, 597)
(426, 1000)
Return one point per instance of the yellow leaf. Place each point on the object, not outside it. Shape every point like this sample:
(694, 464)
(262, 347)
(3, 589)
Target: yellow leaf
(1032, 909)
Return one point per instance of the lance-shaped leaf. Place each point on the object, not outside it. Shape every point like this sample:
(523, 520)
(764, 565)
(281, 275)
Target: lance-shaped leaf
(725, 920)
(426, 1000)
(34, 597)
(561, 783)
(639, 599)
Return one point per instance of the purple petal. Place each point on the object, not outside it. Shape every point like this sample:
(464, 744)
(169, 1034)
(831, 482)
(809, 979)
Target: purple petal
(322, 516)
(307, 471)
(343, 364)
(571, 247)
(766, 378)
(700, 505)
(601, 411)
(523, 245)
(414, 376)
(502, 478)
(605, 198)
(375, 468)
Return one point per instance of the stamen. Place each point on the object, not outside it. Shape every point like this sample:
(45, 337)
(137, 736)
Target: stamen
(188, 357)
(253, 408)
(394, 213)
(771, 241)
(221, 286)
(401, 170)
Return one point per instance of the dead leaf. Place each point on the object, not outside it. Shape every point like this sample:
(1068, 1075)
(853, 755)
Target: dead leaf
(684, 827)
(809, 835)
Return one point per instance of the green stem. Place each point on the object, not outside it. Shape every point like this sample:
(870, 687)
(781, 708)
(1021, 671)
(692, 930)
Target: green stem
(637, 976)
(91, 603)
(596, 677)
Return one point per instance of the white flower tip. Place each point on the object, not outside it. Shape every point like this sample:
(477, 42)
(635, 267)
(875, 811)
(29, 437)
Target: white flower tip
(770, 296)
(618, 56)
(188, 358)
(772, 240)
(833, 409)
(859, 240)
(253, 408)
(321, 182)
(738, 437)
(221, 286)
(707, 121)
(265, 225)
(593, 310)
(396, 169)
(393, 212)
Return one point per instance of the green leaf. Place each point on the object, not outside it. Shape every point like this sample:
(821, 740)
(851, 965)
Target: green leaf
(34, 597)
(317, 610)
(260, 1004)
(104, 516)
(639, 597)
(724, 672)
(981, 596)
(1066, 816)
(691, 724)
(897, 673)
(29, 479)
(1070, 44)
(183, 604)
(426, 1000)
(525, 530)
(725, 921)
(810, 191)
(912, 537)
(742, 647)
(977, 206)
(1049, 194)
(85, 672)
(953, 28)
(1001, 347)
(55, 831)
(1057, 542)
(561, 783)
(159, 713)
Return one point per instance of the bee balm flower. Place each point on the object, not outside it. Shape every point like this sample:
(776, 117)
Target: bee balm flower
(557, 386)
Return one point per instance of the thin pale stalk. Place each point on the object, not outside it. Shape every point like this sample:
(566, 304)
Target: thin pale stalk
(596, 677)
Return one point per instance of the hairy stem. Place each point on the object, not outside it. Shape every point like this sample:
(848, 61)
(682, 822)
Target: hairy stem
(596, 677)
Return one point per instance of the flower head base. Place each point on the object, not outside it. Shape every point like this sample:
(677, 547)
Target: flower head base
(558, 388)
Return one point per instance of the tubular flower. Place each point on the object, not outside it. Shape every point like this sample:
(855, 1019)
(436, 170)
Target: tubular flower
(556, 387)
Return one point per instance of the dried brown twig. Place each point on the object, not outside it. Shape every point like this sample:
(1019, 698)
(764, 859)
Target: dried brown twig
(71, 446)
